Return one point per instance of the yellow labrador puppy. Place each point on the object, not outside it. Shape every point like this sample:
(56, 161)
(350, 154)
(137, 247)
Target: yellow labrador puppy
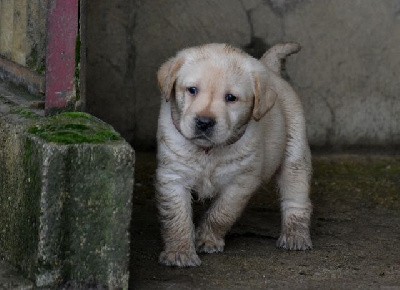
(228, 122)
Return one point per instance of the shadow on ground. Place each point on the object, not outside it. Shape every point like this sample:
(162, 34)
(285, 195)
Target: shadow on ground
(355, 231)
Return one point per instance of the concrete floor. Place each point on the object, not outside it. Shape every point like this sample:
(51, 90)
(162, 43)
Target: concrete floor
(355, 231)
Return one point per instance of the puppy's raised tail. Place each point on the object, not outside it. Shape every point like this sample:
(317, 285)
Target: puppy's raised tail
(273, 57)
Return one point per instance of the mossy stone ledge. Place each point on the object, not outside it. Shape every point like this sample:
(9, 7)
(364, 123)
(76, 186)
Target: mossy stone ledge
(66, 184)
(74, 128)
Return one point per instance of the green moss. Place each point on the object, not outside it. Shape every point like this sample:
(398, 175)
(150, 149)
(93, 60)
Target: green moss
(35, 62)
(74, 128)
(19, 201)
(24, 113)
(28, 210)
(77, 115)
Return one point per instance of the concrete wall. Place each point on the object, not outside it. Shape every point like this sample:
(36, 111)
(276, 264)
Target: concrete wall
(23, 32)
(347, 72)
(110, 59)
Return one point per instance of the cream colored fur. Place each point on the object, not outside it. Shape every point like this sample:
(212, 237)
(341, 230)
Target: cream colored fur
(260, 134)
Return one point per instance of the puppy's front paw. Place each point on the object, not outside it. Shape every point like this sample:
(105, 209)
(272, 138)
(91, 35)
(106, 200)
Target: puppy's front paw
(295, 233)
(296, 242)
(208, 246)
(180, 259)
(208, 243)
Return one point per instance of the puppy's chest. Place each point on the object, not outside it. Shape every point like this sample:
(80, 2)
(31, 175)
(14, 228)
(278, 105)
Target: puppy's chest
(212, 177)
(208, 182)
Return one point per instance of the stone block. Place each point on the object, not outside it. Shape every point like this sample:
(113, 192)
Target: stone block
(65, 198)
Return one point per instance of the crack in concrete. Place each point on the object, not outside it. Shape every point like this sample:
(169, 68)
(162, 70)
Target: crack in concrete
(248, 15)
(280, 7)
(330, 131)
(257, 46)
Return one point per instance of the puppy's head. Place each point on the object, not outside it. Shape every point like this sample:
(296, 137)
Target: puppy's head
(215, 90)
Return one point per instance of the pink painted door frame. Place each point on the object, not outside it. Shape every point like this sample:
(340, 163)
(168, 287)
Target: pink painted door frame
(62, 31)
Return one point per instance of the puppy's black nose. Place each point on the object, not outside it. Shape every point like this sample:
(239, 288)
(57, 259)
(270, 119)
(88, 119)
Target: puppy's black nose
(204, 123)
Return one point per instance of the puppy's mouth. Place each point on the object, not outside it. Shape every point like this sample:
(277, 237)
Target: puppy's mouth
(202, 140)
(201, 137)
(208, 138)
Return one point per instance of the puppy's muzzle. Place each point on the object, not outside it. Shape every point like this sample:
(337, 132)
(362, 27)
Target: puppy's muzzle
(204, 125)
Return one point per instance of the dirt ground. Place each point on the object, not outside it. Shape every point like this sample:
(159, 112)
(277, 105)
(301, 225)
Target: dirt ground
(355, 231)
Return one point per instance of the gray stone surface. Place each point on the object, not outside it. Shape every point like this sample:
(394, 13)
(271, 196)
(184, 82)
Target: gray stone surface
(65, 208)
(10, 278)
(347, 72)
(23, 32)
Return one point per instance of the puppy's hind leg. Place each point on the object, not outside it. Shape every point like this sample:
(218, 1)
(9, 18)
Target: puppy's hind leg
(294, 185)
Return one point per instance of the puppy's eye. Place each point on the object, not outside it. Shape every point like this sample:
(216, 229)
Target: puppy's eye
(192, 90)
(229, 98)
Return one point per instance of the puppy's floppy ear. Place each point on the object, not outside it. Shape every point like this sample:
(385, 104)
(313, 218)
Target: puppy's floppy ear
(264, 97)
(167, 75)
